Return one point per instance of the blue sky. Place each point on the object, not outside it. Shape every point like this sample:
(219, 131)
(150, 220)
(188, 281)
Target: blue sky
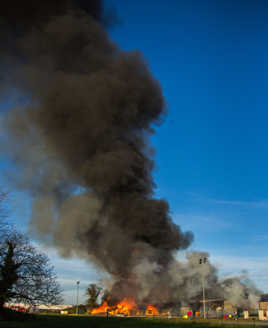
(211, 161)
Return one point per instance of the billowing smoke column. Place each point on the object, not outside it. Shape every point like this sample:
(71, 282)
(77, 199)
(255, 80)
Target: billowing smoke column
(78, 136)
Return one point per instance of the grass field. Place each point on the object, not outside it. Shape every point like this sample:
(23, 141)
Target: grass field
(55, 321)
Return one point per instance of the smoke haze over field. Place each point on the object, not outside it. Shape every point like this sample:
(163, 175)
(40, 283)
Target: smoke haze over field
(80, 139)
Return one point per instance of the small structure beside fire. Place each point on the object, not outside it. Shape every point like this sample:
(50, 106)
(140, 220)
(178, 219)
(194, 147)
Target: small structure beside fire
(151, 310)
(263, 304)
(263, 307)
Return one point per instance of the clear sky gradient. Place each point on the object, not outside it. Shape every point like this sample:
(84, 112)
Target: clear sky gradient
(211, 161)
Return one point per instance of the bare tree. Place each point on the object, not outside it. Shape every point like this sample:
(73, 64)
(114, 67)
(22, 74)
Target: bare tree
(4, 227)
(93, 291)
(25, 274)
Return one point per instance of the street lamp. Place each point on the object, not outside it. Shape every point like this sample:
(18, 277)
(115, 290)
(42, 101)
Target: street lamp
(77, 296)
(203, 260)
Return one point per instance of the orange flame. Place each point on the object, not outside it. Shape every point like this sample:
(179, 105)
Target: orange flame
(124, 307)
(151, 310)
(101, 309)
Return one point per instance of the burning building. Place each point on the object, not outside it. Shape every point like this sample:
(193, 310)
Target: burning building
(78, 136)
(125, 307)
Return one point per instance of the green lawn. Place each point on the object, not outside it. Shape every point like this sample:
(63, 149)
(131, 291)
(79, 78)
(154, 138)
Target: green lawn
(42, 321)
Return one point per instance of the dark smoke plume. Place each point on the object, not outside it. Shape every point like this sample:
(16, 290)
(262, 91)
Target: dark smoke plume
(78, 135)
(80, 139)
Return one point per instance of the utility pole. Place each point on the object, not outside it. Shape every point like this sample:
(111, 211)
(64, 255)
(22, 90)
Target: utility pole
(204, 297)
(203, 261)
(77, 296)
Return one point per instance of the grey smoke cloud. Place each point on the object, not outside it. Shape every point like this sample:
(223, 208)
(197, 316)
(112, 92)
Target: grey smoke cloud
(79, 141)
